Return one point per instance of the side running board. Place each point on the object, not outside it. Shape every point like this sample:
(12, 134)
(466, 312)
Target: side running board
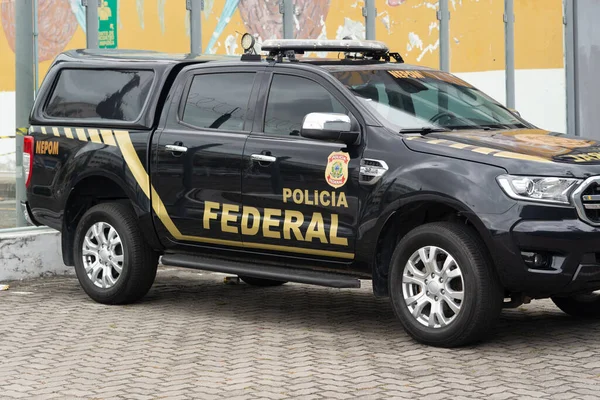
(262, 271)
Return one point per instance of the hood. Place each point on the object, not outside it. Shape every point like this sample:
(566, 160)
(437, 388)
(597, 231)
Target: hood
(519, 151)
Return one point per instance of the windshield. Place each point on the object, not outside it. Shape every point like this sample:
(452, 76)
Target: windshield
(416, 99)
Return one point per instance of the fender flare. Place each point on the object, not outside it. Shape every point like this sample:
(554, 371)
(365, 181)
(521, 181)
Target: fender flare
(68, 232)
(392, 210)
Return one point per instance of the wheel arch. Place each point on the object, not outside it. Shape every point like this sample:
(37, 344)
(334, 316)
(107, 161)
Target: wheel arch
(407, 215)
(93, 189)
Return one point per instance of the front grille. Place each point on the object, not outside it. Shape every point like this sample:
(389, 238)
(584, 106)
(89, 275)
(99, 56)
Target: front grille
(591, 201)
(586, 199)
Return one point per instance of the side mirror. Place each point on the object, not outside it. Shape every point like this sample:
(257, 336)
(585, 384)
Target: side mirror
(329, 127)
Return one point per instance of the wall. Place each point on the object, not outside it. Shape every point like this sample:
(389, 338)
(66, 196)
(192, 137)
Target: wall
(408, 26)
(31, 254)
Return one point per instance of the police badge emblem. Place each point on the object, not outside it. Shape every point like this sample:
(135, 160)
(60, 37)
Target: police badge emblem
(336, 172)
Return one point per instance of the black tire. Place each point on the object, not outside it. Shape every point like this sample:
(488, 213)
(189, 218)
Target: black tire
(139, 260)
(261, 282)
(482, 293)
(585, 305)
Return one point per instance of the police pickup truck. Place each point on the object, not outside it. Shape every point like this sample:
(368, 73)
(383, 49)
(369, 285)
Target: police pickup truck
(284, 168)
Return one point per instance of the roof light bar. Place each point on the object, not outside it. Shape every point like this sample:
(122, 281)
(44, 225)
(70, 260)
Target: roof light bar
(302, 45)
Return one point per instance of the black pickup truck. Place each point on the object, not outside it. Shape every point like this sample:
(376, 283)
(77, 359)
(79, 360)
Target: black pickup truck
(283, 168)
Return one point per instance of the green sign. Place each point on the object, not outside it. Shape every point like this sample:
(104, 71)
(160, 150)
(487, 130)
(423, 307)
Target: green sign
(107, 27)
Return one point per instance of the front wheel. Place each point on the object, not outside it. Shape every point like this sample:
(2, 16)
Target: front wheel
(113, 263)
(442, 285)
(584, 305)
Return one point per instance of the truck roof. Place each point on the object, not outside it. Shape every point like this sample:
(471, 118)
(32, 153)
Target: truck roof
(149, 56)
(137, 55)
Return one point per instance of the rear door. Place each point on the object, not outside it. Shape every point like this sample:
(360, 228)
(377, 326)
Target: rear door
(301, 196)
(198, 158)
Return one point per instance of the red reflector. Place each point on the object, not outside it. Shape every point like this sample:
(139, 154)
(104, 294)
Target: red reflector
(27, 158)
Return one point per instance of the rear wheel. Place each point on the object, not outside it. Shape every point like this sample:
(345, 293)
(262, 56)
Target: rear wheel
(442, 285)
(260, 281)
(584, 305)
(114, 264)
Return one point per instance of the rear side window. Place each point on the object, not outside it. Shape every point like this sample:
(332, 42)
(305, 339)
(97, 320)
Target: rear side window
(117, 95)
(219, 101)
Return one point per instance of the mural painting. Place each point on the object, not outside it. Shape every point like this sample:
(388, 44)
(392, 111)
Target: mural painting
(57, 25)
(407, 26)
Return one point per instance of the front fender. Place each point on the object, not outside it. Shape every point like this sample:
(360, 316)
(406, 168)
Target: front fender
(468, 187)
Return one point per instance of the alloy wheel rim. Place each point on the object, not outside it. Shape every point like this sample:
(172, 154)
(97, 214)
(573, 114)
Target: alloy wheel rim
(103, 255)
(433, 287)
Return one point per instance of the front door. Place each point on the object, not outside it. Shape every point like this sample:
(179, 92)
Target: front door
(300, 195)
(198, 159)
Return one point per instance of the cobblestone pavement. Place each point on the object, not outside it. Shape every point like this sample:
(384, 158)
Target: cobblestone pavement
(195, 337)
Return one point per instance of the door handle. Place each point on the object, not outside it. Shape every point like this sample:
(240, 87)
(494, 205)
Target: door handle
(175, 148)
(263, 158)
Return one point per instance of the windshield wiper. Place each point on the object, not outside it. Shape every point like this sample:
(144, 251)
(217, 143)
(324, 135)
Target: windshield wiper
(473, 127)
(424, 130)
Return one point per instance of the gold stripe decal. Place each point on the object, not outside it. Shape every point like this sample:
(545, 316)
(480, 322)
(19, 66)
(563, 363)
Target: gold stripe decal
(484, 150)
(141, 176)
(460, 145)
(81, 134)
(94, 137)
(108, 138)
(519, 156)
(133, 161)
(437, 141)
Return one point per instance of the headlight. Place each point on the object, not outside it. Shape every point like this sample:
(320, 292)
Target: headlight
(539, 189)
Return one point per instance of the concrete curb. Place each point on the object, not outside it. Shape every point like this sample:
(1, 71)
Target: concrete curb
(7, 184)
(31, 253)
(7, 190)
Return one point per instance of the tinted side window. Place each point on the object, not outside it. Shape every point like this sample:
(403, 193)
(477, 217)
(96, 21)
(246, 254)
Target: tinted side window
(219, 101)
(291, 98)
(100, 94)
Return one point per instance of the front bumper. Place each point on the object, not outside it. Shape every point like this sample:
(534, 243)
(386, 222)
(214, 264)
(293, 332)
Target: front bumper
(571, 246)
